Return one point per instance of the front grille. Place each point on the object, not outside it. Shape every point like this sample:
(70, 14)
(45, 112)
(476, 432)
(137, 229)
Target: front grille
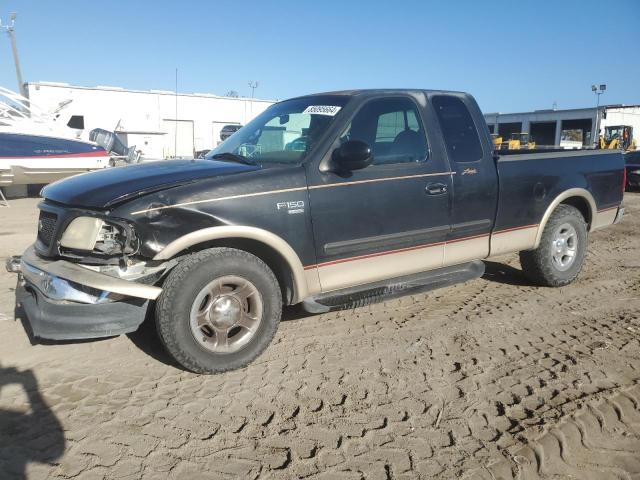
(47, 227)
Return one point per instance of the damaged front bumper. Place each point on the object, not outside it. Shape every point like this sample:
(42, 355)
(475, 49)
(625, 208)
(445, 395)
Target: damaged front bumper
(63, 300)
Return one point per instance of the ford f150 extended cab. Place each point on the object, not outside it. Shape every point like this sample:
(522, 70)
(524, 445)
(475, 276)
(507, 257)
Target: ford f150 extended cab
(330, 200)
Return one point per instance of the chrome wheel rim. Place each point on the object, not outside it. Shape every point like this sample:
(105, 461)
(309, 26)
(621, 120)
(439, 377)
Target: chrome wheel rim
(564, 247)
(226, 314)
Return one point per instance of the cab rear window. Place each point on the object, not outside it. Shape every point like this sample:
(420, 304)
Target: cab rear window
(460, 133)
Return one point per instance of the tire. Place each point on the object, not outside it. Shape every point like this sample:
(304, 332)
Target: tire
(544, 265)
(218, 279)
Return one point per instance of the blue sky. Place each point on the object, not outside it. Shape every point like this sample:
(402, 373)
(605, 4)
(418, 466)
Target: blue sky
(512, 56)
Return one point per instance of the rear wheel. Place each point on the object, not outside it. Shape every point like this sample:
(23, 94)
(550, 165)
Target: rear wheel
(559, 258)
(219, 309)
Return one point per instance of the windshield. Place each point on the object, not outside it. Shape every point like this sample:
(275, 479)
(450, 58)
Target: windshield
(612, 132)
(284, 133)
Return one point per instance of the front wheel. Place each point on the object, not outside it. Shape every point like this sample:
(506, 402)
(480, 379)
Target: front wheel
(219, 309)
(559, 258)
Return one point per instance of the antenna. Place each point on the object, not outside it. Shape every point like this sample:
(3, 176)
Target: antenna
(11, 31)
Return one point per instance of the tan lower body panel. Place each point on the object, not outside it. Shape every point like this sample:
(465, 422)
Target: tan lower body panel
(372, 268)
(466, 250)
(513, 240)
(604, 218)
(313, 281)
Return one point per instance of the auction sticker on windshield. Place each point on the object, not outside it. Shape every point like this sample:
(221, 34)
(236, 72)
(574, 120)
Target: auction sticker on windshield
(330, 110)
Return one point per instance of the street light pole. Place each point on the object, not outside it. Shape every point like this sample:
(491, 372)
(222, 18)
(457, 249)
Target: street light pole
(10, 29)
(598, 90)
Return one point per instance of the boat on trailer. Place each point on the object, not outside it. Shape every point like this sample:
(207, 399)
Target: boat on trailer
(37, 146)
(34, 159)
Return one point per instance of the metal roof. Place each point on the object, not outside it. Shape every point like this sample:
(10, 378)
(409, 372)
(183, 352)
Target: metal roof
(559, 110)
(150, 92)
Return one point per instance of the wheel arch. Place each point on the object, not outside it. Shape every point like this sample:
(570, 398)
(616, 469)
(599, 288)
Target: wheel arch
(576, 197)
(270, 248)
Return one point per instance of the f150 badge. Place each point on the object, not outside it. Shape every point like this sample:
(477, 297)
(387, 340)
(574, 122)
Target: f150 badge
(297, 206)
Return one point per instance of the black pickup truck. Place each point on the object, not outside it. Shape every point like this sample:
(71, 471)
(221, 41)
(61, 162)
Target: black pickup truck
(330, 200)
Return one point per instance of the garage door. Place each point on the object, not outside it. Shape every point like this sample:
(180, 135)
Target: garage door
(178, 141)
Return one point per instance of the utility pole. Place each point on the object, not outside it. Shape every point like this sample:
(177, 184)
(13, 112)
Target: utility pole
(175, 137)
(253, 84)
(10, 29)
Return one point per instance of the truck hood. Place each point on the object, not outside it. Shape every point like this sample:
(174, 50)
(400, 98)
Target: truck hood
(105, 188)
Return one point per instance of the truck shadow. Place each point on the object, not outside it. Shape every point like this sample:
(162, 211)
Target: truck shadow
(505, 274)
(146, 337)
(36, 436)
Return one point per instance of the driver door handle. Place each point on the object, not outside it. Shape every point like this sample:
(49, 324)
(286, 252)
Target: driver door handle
(436, 188)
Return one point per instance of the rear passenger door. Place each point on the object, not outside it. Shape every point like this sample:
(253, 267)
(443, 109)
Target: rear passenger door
(475, 179)
(391, 218)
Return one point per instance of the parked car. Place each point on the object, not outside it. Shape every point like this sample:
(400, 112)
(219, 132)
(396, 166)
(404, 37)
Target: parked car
(395, 192)
(632, 164)
(228, 130)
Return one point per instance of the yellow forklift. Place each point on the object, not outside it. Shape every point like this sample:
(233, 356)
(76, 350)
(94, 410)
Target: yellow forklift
(517, 141)
(617, 136)
(521, 141)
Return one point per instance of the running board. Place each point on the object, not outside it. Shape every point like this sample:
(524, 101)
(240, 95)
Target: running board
(396, 287)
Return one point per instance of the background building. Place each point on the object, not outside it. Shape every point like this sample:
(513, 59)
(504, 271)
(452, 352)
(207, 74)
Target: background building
(159, 123)
(568, 128)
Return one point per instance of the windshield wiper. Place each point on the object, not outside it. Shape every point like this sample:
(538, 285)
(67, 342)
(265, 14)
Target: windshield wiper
(234, 157)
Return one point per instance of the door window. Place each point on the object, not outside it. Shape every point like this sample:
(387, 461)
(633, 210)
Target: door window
(393, 130)
(458, 129)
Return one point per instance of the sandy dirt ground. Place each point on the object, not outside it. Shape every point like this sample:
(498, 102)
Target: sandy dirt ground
(492, 379)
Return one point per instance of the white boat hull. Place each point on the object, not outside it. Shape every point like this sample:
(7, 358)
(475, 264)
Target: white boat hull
(36, 159)
(41, 170)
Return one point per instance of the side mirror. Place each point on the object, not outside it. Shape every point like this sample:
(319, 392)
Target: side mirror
(353, 155)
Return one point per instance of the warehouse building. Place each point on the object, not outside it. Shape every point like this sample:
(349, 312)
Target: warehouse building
(575, 128)
(159, 123)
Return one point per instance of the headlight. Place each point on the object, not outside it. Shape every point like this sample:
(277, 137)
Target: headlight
(81, 234)
(110, 240)
(99, 236)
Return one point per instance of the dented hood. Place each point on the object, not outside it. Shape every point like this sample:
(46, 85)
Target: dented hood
(108, 187)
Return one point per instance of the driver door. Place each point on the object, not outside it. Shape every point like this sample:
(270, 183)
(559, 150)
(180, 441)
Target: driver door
(391, 218)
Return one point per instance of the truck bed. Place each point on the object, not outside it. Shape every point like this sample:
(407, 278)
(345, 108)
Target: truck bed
(545, 175)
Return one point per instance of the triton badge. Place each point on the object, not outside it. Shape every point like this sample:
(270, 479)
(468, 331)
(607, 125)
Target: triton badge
(469, 171)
